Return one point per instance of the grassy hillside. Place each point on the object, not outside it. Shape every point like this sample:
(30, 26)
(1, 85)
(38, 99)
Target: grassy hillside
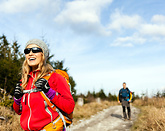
(152, 117)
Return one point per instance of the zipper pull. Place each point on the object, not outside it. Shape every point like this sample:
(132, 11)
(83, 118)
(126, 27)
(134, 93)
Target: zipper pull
(24, 98)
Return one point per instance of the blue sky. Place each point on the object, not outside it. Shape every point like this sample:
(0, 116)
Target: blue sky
(103, 42)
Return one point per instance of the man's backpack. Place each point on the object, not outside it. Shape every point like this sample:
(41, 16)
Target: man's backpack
(66, 118)
(129, 97)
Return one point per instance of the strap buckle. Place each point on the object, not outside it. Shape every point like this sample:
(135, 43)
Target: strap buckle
(54, 125)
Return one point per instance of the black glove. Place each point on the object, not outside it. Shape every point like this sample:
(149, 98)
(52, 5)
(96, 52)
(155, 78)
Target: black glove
(18, 93)
(42, 84)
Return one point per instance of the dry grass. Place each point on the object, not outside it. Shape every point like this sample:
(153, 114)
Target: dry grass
(12, 120)
(152, 117)
(89, 109)
(156, 102)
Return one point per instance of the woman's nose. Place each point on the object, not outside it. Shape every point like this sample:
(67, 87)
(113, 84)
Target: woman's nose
(31, 52)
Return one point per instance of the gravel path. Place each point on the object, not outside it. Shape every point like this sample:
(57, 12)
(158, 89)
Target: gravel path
(107, 120)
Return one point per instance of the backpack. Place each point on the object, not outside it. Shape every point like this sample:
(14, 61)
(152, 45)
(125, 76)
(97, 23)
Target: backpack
(66, 118)
(130, 94)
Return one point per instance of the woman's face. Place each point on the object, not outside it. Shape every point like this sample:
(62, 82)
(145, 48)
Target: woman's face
(33, 59)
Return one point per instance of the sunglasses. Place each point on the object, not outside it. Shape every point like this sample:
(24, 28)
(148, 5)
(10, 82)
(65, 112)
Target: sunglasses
(34, 50)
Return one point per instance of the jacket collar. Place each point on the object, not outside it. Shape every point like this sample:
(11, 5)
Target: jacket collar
(33, 73)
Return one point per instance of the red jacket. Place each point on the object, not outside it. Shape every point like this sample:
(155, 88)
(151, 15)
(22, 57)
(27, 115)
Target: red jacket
(35, 114)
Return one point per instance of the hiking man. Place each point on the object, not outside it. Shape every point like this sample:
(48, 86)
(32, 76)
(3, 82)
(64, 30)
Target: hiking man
(124, 97)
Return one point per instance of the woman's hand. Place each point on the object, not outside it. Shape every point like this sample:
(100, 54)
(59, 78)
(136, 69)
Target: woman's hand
(42, 84)
(18, 91)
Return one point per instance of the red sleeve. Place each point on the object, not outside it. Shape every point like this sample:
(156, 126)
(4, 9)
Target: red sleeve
(17, 108)
(64, 99)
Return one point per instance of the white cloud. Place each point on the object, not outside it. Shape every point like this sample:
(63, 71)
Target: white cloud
(121, 21)
(83, 15)
(15, 6)
(116, 43)
(152, 30)
(20, 6)
(159, 19)
(136, 30)
(128, 41)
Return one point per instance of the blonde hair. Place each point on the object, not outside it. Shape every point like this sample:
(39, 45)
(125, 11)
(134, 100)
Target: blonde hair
(44, 68)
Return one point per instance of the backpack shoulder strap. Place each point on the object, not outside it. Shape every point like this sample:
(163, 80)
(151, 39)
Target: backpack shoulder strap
(51, 105)
(120, 90)
(66, 76)
(48, 75)
(127, 90)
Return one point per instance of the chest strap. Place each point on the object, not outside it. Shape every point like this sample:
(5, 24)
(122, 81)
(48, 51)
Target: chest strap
(31, 90)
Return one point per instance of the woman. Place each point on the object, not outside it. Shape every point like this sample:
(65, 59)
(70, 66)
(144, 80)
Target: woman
(35, 113)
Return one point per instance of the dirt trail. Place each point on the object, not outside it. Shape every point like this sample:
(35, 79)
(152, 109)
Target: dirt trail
(107, 120)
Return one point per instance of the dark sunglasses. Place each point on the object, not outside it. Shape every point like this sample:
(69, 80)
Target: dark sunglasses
(34, 50)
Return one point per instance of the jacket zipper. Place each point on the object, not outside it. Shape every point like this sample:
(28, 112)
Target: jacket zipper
(46, 106)
(30, 112)
(29, 103)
